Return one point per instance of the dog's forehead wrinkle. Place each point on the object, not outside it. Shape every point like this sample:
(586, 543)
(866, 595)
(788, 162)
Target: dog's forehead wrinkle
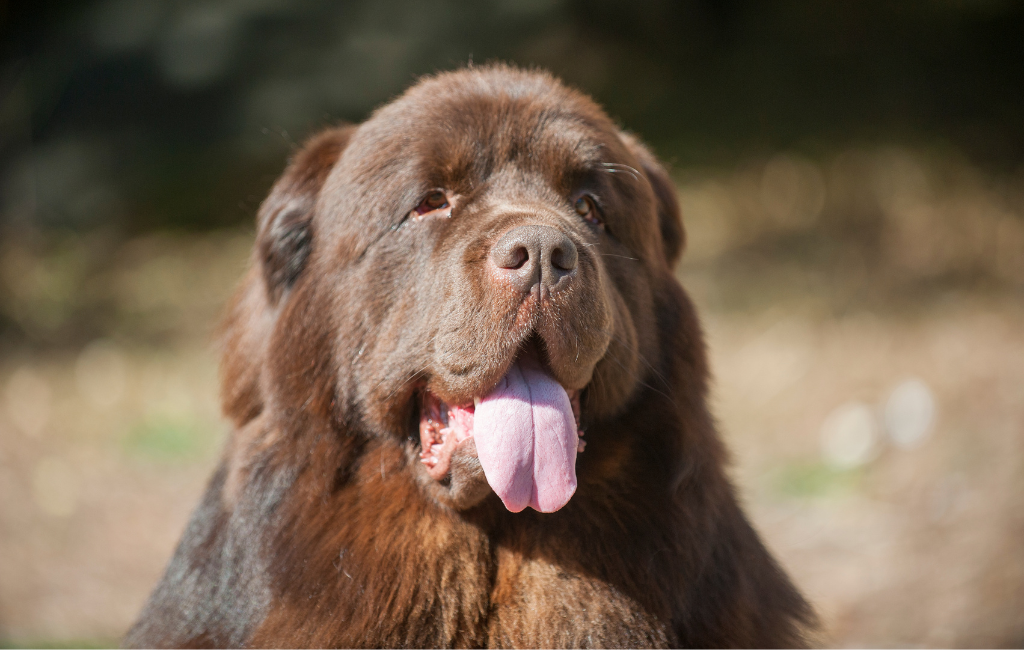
(517, 189)
(490, 131)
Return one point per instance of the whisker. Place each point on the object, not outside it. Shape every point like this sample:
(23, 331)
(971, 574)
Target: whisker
(654, 370)
(411, 376)
(621, 168)
(622, 171)
(640, 381)
(625, 257)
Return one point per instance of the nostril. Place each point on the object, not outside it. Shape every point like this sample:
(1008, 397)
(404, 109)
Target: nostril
(564, 256)
(516, 259)
(510, 256)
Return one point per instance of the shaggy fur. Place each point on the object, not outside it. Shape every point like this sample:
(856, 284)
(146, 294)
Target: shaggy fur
(321, 527)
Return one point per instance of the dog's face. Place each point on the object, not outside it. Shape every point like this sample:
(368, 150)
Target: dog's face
(471, 271)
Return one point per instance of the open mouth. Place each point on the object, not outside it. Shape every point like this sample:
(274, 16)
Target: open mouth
(527, 435)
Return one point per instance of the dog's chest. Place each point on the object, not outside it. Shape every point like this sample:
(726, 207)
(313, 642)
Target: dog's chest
(537, 603)
(465, 590)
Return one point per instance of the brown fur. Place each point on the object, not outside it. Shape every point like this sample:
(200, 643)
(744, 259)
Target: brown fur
(322, 529)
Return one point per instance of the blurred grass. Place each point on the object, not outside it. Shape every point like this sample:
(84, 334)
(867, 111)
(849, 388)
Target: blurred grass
(168, 440)
(810, 479)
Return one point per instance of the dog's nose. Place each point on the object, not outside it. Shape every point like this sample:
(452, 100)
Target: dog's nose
(530, 255)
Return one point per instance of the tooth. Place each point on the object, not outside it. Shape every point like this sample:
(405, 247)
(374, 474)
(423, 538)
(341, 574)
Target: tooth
(476, 402)
(581, 446)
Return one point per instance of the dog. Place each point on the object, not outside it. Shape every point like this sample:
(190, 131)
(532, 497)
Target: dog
(469, 401)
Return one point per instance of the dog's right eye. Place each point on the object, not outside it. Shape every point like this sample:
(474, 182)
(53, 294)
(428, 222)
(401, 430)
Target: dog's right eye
(585, 208)
(434, 201)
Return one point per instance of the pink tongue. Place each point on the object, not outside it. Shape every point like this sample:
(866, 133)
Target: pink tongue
(526, 439)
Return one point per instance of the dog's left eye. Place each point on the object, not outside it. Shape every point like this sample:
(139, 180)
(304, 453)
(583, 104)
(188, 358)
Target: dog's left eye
(434, 201)
(585, 208)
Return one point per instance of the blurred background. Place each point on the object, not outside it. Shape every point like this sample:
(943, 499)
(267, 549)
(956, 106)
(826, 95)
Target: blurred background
(852, 181)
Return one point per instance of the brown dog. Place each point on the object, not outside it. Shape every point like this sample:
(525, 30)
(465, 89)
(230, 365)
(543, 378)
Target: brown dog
(441, 301)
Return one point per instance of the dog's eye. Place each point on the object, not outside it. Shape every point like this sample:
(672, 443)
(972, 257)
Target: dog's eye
(585, 208)
(434, 201)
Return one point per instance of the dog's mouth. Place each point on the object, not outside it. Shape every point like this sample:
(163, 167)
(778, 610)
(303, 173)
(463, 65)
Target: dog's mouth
(526, 432)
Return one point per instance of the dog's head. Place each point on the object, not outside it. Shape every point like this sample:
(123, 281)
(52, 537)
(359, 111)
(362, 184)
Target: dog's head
(475, 265)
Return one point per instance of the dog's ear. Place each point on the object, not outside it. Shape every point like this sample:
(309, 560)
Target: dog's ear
(673, 236)
(283, 239)
(284, 229)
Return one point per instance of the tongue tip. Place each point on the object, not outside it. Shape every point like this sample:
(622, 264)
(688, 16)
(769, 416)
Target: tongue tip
(553, 505)
(514, 507)
(551, 502)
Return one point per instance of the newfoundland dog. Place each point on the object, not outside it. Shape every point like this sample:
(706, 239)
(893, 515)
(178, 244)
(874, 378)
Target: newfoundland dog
(469, 401)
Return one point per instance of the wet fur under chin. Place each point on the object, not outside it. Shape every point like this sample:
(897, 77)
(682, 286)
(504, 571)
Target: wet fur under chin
(320, 527)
